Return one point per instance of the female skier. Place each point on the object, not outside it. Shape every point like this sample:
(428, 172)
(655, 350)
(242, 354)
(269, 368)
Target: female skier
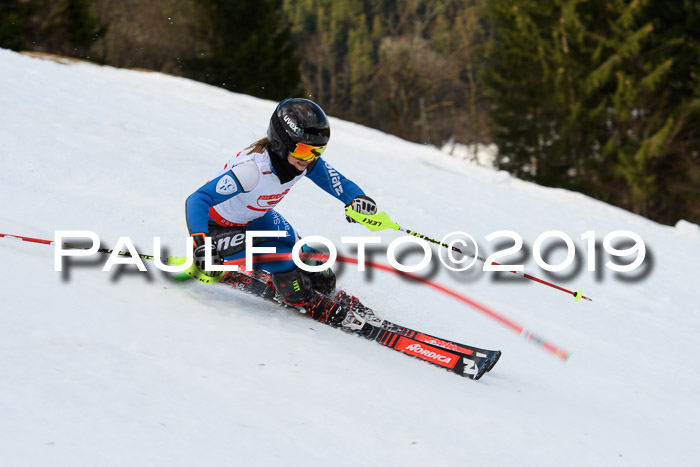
(242, 197)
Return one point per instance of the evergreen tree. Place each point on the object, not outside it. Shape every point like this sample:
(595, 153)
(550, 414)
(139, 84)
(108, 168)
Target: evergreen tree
(526, 91)
(14, 31)
(460, 34)
(601, 97)
(644, 65)
(248, 49)
(360, 64)
(63, 27)
(336, 40)
(373, 61)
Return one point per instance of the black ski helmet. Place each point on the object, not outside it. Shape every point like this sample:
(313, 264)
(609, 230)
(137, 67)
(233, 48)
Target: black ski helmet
(295, 121)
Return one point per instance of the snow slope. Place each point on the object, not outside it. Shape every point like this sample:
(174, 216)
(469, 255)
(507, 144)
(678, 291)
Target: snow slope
(129, 368)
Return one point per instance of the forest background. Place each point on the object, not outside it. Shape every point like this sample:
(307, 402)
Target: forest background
(600, 97)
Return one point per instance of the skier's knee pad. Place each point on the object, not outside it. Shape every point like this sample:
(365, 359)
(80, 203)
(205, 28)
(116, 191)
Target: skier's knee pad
(294, 287)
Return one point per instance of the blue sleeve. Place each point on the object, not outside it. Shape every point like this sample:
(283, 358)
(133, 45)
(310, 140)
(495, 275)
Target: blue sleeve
(333, 182)
(210, 194)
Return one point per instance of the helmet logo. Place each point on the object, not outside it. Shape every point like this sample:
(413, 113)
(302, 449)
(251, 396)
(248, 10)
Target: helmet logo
(291, 124)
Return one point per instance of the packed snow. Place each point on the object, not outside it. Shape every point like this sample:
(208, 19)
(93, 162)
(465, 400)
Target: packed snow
(132, 368)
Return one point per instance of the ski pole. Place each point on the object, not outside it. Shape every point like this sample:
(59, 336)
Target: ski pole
(381, 221)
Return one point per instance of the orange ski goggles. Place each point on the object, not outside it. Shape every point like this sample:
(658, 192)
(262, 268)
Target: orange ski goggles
(306, 152)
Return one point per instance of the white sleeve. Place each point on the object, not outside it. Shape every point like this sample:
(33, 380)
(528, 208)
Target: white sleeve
(248, 175)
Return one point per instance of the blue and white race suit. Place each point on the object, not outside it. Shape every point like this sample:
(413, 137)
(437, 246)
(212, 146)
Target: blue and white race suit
(242, 196)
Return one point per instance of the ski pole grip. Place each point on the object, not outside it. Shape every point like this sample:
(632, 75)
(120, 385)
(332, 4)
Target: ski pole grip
(374, 222)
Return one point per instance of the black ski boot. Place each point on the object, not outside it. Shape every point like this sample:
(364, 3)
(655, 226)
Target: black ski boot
(323, 281)
(294, 287)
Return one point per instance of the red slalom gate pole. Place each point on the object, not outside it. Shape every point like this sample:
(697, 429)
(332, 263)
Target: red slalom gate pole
(70, 245)
(28, 239)
(524, 332)
(512, 325)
